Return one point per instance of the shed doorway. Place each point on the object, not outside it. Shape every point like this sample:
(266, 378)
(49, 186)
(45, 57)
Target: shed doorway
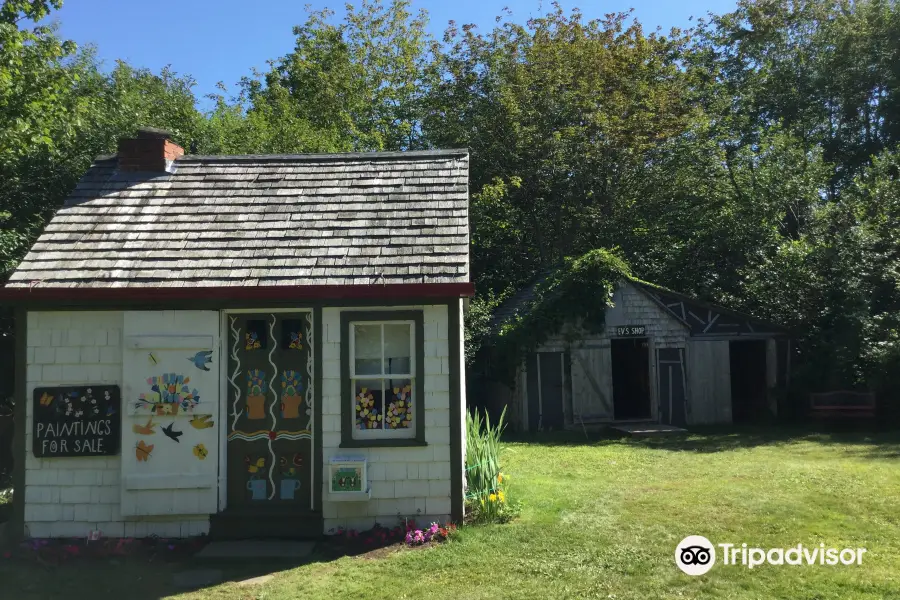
(631, 378)
(546, 390)
(749, 401)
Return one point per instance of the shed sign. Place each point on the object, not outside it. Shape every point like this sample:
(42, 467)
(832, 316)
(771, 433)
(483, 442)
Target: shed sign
(631, 331)
(76, 421)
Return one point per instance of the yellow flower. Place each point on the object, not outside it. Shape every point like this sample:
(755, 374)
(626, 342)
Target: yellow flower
(500, 478)
(501, 496)
(492, 497)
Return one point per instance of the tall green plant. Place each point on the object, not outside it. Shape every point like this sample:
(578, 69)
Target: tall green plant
(486, 493)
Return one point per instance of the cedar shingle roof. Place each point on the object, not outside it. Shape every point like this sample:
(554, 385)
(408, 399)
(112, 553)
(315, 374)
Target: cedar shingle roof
(261, 220)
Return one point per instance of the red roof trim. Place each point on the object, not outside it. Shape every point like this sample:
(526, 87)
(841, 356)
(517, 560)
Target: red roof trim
(397, 291)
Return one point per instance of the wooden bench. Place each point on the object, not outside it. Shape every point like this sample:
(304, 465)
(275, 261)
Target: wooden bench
(842, 404)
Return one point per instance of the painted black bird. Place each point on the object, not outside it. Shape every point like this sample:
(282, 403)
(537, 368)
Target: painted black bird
(172, 434)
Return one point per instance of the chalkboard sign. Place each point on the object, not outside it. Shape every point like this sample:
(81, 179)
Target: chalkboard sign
(631, 331)
(80, 420)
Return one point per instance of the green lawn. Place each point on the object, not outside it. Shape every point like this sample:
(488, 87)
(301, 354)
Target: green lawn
(601, 519)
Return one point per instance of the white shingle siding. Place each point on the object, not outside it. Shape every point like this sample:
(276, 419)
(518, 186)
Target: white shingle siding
(69, 497)
(409, 482)
(633, 307)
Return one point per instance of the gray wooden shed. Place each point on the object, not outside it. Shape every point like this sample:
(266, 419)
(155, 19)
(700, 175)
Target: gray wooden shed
(662, 357)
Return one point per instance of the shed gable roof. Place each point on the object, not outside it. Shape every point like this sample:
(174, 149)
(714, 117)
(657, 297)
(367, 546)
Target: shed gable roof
(698, 317)
(271, 220)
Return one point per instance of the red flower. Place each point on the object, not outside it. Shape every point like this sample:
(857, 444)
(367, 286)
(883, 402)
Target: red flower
(272, 435)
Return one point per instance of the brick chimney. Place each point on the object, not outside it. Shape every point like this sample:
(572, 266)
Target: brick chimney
(151, 151)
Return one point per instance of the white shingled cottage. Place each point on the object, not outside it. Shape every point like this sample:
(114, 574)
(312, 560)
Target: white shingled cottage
(245, 346)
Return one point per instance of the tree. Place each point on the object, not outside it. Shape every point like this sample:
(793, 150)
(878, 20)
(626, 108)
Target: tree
(561, 117)
(353, 86)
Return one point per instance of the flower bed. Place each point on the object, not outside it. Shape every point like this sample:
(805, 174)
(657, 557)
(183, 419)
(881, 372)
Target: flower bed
(61, 550)
(380, 539)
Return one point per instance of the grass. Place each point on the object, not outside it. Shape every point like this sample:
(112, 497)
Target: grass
(601, 519)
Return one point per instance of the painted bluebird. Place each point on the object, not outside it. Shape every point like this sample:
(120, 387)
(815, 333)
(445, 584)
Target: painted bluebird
(201, 359)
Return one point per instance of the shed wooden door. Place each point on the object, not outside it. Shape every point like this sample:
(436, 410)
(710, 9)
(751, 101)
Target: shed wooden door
(270, 447)
(592, 383)
(671, 380)
(709, 382)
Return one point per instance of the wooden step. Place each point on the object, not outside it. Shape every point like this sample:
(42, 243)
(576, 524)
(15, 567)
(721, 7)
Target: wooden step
(282, 524)
(647, 429)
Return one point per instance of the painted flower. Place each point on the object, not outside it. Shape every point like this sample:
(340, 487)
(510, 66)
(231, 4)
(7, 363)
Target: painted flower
(256, 382)
(272, 435)
(368, 416)
(251, 341)
(296, 337)
(291, 383)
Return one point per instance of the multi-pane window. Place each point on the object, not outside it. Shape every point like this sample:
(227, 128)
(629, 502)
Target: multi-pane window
(382, 379)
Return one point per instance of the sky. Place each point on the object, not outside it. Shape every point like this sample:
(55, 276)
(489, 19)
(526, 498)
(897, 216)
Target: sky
(223, 40)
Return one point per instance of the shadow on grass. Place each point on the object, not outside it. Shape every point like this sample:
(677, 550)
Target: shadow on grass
(876, 444)
(152, 576)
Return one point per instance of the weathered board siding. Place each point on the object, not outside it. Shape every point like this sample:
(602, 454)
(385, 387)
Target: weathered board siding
(709, 382)
(591, 358)
(412, 482)
(69, 497)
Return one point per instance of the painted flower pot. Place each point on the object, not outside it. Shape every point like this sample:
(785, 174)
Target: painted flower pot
(290, 406)
(256, 407)
(166, 408)
(257, 489)
(288, 487)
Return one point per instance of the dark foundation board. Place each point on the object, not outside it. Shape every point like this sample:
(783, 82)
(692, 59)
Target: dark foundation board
(82, 420)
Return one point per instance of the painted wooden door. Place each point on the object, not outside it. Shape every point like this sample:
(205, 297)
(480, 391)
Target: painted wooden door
(170, 406)
(270, 395)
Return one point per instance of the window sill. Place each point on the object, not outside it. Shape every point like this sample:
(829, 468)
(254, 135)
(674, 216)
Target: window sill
(388, 443)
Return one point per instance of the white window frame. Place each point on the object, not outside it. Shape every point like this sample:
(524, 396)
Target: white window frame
(383, 433)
